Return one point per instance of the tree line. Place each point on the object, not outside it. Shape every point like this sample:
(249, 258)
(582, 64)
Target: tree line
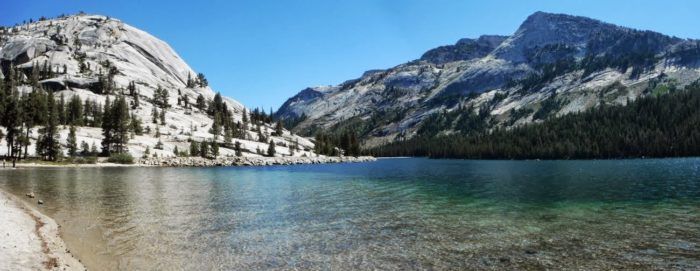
(24, 110)
(651, 126)
(345, 143)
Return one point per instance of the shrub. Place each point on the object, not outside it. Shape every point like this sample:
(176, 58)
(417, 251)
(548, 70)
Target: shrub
(82, 160)
(121, 158)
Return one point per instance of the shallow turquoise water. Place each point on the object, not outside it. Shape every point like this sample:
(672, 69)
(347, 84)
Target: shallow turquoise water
(389, 214)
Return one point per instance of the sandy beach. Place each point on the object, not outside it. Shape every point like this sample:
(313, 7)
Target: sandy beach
(30, 240)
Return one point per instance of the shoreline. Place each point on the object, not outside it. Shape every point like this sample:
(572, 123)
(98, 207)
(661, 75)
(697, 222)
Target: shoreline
(249, 161)
(30, 239)
(204, 162)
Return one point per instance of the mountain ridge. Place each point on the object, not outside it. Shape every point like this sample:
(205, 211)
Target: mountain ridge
(573, 62)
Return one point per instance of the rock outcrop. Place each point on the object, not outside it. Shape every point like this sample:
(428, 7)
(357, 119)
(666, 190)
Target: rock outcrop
(76, 53)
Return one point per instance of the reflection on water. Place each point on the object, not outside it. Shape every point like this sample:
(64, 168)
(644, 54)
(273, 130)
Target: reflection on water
(390, 214)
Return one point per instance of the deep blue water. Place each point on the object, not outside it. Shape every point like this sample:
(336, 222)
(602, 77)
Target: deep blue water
(390, 214)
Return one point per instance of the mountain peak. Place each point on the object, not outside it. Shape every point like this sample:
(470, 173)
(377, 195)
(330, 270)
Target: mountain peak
(541, 19)
(542, 29)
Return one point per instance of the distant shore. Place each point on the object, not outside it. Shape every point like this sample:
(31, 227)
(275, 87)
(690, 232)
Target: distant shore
(203, 162)
(30, 240)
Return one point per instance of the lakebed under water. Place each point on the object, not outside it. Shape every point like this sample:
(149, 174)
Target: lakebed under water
(390, 214)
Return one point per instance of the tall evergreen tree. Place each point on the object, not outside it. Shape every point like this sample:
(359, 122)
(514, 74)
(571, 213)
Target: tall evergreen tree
(34, 112)
(72, 142)
(214, 148)
(271, 149)
(74, 112)
(162, 117)
(11, 120)
(48, 145)
(107, 128)
(204, 149)
(87, 111)
(136, 125)
(237, 148)
(190, 82)
(120, 124)
(201, 104)
(216, 126)
(279, 129)
(194, 148)
(61, 110)
(201, 80)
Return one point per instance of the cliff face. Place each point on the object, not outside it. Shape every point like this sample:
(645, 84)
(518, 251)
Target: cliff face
(552, 65)
(80, 51)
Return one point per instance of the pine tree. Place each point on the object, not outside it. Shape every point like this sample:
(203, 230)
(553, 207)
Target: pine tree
(48, 145)
(261, 136)
(84, 148)
(214, 148)
(279, 129)
(216, 127)
(271, 149)
(107, 128)
(61, 109)
(160, 98)
(135, 125)
(201, 103)
(227, 137)
(354, 145)
(186, 101)
(131, 88)
(203, 149)
(120, 118)
(34, 77)
(34, 112)
(190, 82)
(97, 115)
(194, 148)
(155, 115)
(74, 114)
(134, 95)
(176, 151)
(93, 149)
(72, 142)
(12, 119)
(87, 111)
(201, 80)
(237, 148)
(162, 117)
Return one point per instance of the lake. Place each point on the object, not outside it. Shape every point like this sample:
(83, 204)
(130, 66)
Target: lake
(408, 213)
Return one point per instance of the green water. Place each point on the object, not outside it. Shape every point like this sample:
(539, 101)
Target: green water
(390, 214)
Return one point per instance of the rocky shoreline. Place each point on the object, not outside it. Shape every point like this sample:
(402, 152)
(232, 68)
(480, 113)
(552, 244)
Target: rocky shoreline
(247, 161)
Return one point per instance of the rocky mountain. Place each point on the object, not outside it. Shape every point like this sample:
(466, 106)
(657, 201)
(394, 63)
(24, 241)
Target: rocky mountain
(553, 64)
(96, 57)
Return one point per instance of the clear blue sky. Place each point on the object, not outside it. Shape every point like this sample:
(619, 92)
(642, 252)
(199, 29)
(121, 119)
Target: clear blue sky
(263, 52)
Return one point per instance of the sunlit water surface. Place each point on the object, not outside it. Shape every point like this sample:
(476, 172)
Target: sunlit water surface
(389, 214)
